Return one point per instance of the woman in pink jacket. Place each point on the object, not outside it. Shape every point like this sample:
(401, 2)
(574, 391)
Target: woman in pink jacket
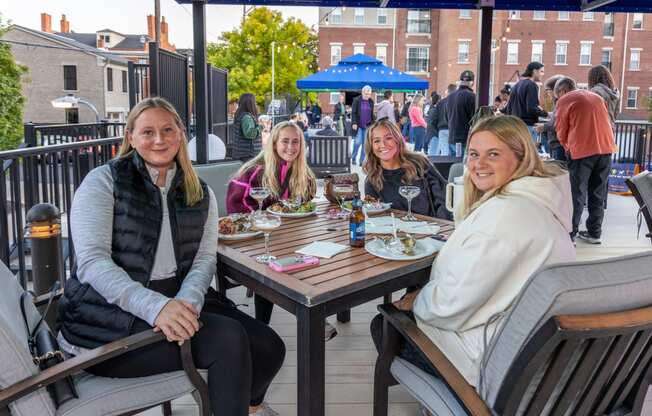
(418, 122)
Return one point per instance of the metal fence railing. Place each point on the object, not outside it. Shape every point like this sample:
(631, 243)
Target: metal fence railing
(634, 143)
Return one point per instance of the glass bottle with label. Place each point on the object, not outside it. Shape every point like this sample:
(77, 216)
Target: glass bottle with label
(356, 223)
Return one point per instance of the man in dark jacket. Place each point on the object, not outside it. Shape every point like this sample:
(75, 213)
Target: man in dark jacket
(460, 109)
(362, 116)
(524, 98)
(442, 122)
(432, 134)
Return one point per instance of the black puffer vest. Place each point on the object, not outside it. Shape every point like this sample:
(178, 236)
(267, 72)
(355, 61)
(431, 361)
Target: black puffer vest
(244, 148)
(86, 318)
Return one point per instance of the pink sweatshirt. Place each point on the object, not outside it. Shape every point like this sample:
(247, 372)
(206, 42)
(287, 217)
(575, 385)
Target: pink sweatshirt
(237, 194)
(416, 117)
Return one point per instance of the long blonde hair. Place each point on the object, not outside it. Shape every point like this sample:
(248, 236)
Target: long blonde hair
(302, 180)
(191, 185)
(514, 133)
(413, 164)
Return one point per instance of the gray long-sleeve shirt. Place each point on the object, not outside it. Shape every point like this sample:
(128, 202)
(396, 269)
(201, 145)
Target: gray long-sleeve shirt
(91, 228)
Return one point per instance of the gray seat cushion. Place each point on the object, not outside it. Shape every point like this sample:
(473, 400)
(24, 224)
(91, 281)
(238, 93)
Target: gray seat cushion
(217, 176)
(431, 391)
(113, 396)
(602, 286)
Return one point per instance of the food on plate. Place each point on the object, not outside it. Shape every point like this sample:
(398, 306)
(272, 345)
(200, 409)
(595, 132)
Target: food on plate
(370, 199)
(291, 208)
(370, 203)
(235, 223)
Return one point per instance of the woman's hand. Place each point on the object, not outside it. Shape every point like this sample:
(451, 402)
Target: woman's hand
(177, 320)
(407, 301)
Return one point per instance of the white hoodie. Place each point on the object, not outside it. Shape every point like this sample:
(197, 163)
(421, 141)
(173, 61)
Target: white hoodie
(486, 262)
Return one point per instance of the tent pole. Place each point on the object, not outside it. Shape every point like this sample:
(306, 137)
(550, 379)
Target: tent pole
(484, 59)
(200, 81)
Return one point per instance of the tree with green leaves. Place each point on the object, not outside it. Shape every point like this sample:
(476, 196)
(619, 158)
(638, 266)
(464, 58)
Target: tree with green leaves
(11, 98)
(246, 53)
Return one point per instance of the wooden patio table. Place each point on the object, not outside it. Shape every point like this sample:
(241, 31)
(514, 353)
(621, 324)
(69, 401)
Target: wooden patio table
(348, 279)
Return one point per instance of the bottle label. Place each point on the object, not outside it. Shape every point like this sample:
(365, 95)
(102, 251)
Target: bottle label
(356, 231)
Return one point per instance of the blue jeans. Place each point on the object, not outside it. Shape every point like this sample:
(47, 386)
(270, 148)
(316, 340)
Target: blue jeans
(419, 134)
(443, 143)
(433, 147)
(358, 144)
(406, 128)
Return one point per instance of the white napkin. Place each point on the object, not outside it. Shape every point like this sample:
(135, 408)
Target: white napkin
(323, 249)
(383, 225)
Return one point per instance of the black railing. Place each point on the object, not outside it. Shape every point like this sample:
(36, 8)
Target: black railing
(31, 175)
(634, 142)
(50, 134)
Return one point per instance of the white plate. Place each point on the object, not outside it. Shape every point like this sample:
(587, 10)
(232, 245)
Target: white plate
(383, 225)
(291, 214)
(239, 236)
(425, 247)
(385, 206)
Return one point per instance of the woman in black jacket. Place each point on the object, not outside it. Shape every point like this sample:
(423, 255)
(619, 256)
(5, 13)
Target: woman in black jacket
(247, 141)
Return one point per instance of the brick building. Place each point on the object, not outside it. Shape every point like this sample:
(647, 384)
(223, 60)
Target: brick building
(439, 44)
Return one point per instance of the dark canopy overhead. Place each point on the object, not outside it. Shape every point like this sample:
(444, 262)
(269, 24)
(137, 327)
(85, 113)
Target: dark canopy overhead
(570, 5)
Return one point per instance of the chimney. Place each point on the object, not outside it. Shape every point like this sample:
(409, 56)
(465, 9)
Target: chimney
(151, 26)
(65, 25)
(164, 32)
(46, 23)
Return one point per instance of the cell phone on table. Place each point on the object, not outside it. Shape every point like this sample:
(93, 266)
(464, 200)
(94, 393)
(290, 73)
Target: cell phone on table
(440, 237)
(294, 262)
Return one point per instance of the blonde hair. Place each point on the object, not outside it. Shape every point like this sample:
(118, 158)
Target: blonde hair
(413, 164)
(417, 101)
(191, 185)
(513, 132)
(302, 180)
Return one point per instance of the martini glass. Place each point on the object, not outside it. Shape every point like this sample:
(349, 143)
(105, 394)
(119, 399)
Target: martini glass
(259, 194)
(409, 193)
(266, 223)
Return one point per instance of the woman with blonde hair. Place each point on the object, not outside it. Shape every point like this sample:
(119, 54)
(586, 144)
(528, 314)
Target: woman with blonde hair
(145, 233)
(390, 165)
(418, 123)
(516, 219)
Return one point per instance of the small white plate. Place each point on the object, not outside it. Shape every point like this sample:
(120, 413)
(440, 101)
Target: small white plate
(385, 207)
(425, 247)
(291, 214)
(239, 236)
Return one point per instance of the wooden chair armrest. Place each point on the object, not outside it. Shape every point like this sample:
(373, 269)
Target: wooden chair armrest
(43, 299)
(409, 330)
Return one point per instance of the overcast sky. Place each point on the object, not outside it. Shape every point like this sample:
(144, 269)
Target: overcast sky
(129, 16)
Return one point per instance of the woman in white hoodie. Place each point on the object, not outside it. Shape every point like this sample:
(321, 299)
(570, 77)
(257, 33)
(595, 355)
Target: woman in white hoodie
(517, 218)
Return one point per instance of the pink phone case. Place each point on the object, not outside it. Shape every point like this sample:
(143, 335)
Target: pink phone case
(306, 261)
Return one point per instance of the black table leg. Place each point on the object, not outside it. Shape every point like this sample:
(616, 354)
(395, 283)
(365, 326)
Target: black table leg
(344, 316)
(310, 361)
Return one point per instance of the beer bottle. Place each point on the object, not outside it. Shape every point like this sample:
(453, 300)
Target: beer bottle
(356, 223)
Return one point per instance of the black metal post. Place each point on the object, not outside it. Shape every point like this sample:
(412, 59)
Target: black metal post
(200, 85)
(131, 71)
(44, 231)
(154, 69)
(484, 59)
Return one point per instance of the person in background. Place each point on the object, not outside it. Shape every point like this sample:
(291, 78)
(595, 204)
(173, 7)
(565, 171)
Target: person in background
(339, 114)
(145, 233)
(504, 97)
(362, 116)
(524, 99)
(265, 122)
(316, 114)
(497, 103)
(602, 83)
(385, 108)
(418, 122)
(397, 113)
(389, 165)
(547, 128)
(405, 120)
(460, 109)
(584, 130)
(516, 220)
(328, 130)
(246, 131)
(442, 121)
(432, 135)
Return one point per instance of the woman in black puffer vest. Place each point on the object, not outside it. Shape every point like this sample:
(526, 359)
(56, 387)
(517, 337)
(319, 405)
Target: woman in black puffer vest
(247, 141)
(144, 228)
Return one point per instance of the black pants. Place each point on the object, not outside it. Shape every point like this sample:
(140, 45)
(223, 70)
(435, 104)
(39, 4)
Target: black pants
(588, 178)
(242, 355)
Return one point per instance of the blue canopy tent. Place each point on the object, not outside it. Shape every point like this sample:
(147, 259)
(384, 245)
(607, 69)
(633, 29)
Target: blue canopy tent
(356, 71)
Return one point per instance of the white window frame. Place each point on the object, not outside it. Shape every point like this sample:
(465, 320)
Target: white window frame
(632, 51)
(407, 57)
(509, 43)
(337, 98)
(466, 42)
(537, 42)
(465, 14)
(515, 14)
(557, 45)
(635, 91)
(381, 13)
(336, 12)
(356, 48)
(494, 50)
(588, 16)
(611, 53)
(583, 44)
(563, 16)
(357, 15)
(637, 18)
(539, 17)
(336, 47)
(378, 56)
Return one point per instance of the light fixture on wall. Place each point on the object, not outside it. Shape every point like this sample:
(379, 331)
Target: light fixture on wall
(72, 101)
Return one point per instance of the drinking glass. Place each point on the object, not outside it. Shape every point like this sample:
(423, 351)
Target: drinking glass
(259, 194)
(409, 193)
(341, 191)
(266, 223)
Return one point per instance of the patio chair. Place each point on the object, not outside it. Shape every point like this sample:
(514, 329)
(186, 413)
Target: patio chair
(328, 155)
(577, 341)
(22, 391)
(456, 170)
(216, 176)
(641, 187)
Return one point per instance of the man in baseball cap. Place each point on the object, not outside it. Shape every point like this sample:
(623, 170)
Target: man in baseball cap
(467, 76)
(460, 110)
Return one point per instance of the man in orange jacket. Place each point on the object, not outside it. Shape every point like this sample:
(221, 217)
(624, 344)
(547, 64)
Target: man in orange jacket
(584, 130)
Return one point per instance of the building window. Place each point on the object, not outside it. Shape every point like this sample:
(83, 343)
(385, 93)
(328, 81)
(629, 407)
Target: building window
(334, 98)
(537, 51)
(563, 16)
(465, 14)
(512, 52)
(463, 51)
(382, 16)
(638, 21)
(634, 59)
(336, 54)
(585, 53)
(359, 16)
(494, 49)
(109, 79)
(417, 59)
(608, 25)
(588, 16)
(418, 21)
(124, 81)
(561, 53)
(632, 97)
(605, 59)
(72, 115)
(539, 15)
(358, 48)
(70, 77)
(336, 16)
(381, 53)
(515, 14)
